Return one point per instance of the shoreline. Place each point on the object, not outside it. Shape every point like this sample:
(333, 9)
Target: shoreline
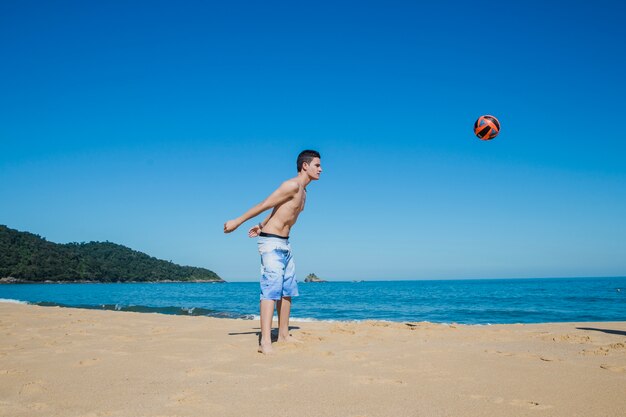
(64, 362)
(253, 317)
(10, 281)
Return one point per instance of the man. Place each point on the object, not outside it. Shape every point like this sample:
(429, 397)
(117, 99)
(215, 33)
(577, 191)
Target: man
(278, 280)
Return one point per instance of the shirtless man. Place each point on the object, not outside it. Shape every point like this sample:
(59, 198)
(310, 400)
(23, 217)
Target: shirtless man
(278, 279)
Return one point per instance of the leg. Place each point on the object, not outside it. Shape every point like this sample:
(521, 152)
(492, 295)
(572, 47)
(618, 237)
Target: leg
(267, 314)
(284, 309)
(272, 271)
(290, 289)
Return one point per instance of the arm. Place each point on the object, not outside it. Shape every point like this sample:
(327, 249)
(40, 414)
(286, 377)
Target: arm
(283, 193)
(256, 229)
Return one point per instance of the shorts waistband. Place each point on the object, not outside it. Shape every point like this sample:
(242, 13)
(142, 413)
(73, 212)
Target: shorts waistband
(263, 234)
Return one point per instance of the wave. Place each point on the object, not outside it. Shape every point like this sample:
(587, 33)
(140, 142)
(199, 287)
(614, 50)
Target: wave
(9, 300)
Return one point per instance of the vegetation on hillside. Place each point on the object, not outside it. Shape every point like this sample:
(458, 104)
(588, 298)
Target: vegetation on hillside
(26, 256)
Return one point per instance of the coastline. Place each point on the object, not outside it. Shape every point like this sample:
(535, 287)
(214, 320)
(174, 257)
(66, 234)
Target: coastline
(70, 362)
(8, 281)
(184, 311)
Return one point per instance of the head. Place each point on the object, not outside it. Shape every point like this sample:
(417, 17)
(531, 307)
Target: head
(309, 163)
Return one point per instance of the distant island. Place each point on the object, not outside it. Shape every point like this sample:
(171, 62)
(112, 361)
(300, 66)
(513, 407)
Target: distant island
(29, 258)
(313, 278)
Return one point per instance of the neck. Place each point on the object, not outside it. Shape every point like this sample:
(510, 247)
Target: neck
(303, 179)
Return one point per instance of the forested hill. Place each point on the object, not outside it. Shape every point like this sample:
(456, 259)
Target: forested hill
(28, 257)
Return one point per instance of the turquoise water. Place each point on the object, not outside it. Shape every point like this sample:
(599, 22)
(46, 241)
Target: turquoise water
(460, 301)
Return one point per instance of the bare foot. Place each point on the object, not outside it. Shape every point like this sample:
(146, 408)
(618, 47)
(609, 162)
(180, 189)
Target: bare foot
(266, 348)
(288, 339)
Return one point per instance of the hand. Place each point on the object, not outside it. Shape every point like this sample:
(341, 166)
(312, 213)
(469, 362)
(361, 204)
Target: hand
(230, 226)
(254, 231)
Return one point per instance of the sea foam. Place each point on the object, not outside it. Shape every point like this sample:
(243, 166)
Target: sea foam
(9, 300)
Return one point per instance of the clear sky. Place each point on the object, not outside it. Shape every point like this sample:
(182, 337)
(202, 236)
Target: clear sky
(151, 123)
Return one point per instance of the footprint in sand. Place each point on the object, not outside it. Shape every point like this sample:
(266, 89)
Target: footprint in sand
(567, 338)
(532, 405)
(186, 398)
(309, 337)
(499, 352)
(341, 329)
(543, 358)
(613, 368)
(88, 362)
(549, 358)
(193, 401)
(33, 387)
(606, 349)
(10, 372)
(424, 325)
(291, 343)
(368, 380)
(38, 406)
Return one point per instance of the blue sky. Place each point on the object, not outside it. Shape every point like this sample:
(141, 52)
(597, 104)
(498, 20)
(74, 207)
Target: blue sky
(150, 124)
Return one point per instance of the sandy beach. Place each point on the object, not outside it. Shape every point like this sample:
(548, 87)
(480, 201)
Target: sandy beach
(75, 362)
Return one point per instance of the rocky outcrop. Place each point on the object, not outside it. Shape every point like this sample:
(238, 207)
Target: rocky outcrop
(313, 278)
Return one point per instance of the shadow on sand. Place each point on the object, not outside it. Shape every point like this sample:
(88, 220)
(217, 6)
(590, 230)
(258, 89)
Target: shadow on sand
(618, 332)
(258, 333)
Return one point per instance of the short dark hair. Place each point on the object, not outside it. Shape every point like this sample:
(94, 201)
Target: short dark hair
(307, 156)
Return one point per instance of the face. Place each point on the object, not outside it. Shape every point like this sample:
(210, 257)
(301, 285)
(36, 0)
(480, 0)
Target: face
(314, 169)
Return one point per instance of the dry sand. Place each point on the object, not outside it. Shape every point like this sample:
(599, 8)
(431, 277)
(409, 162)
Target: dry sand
(72, 362)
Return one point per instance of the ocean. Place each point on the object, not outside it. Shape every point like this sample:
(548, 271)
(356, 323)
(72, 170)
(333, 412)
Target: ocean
(488, 301)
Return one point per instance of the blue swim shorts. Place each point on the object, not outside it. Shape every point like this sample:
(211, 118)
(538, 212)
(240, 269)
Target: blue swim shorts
(278, 271)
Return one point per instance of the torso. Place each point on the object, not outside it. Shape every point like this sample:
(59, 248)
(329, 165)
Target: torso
(285, 215)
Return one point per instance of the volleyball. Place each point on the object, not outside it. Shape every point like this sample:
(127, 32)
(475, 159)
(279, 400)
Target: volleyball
(487, 127)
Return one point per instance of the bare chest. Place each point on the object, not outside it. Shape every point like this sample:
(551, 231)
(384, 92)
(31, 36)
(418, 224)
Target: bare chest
(299, 201)
(303, 200)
